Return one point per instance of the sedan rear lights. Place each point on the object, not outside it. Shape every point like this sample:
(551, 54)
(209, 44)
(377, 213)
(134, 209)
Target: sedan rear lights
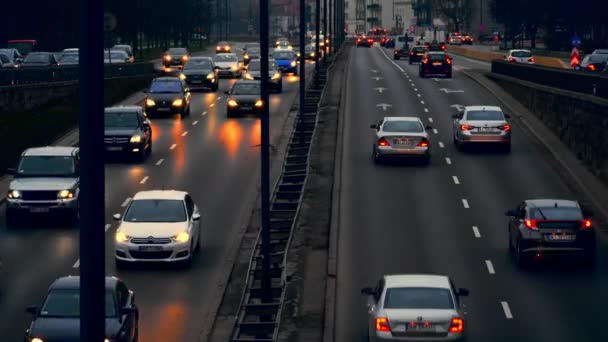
(531, 224)
(383, 142)
(465, 127)
(396, 52)
(424, 142)
(448, 60)
(586, 224)
(425, 61)
(591, 67)
(532, 60)
(505, 127)
(511, 59)
(456, 325)
(382, 324)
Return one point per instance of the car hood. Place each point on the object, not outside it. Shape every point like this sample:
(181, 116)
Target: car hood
(154, 229)
(65, 329)
(121, 131)
(43, 183)
(226, 64)
(33, 64)
(165, 96)
(245, 98)
(203, 72)
(282, 62)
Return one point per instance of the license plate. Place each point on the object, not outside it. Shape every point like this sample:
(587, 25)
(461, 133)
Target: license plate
(418, 54)
(164, 109)
(114, 148)
(39, 210)
(420, 327)
(485, 129)
(150, 248)
(246, 108)
(561, 237)
(402, 141)
(197, 81)
(436, 63)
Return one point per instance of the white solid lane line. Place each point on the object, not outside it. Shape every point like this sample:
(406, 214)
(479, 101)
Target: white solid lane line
(448, 161)
(76, 264)
(476, 232)
(107, 227)
(455, 179)
(144, 180)
(160, 161)
(185, 133)
(441, 144)
(195, 123)
(124, 204)
(490, 267)
(390, 60)
(465, 203)
(507, 310)
(173, 146)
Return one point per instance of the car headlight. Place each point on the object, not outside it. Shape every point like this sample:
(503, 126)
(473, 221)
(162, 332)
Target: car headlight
(121, 237)
(259, 103)
(168, 58)
(232, 103)
(178, 103)
(312, 54)
(289, 47)
(210, 76)
(234, 67)
(182, 237)
(109, 340)
(136, 139)
(150, 103)
(293, 63)
(182, 77)
(14, 194)
(276, 76)
(246, 56)
(248, 76)
(65, 194)
(184, 58)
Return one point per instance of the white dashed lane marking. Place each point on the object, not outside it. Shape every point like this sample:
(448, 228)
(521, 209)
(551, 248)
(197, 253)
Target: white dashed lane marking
(144, 180)
(426, 110)
(173, 146)
(435, 131)
(185, 133)
(107, 227)
(195, 123)
(448, 161)
(476, 232)
(422, 102)
(219, 98)
(490, 267)
(204, 113)
(430, 119)
(211, 105)
(441, 144)
(507, 310)
(465, 203)
(160, 161)
(455, 179)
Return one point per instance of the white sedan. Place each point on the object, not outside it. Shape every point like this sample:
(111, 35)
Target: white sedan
(401, 137)
(158, 226)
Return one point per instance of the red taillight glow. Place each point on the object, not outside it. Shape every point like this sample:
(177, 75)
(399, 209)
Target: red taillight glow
(591, 67)
(425, 61)
(506, 127)
(532, 60)
(382, 324)
(396, 52)
(531, 224)
(423, 143)
(456, 325)
(465, 127)
(383, 142)
(511, 59)
(586, 224)
(448, 60)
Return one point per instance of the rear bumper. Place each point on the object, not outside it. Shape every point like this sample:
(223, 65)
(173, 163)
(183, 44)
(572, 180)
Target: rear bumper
(417, 152)
(485, 139)
(387, 336)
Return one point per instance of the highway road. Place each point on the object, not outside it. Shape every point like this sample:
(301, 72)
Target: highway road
(447, 217)
(214, 158)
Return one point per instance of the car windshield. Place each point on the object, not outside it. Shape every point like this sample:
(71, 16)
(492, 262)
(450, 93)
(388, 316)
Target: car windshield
(124, 48)
(418, 49)
(309, 48)
(403, 126)
(418, 298)
(256, 65)
(559, 213)
(66, 304)
(485, 115)
(46, 166)
(226, 58)
(36, 58)
(121, 120)
(222, 44)
(71, 58)
(521, 54)
(436, 57)
(198, 64)
(283, 55)
(177, 51)
(166, 87)
(597, 58)
(156, 210)
(246, 89)
(115, 55)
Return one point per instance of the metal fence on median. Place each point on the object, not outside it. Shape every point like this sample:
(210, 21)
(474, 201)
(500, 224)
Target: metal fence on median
(572, 80)
(34, 75)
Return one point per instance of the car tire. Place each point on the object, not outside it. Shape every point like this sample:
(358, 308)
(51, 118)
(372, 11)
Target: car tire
(215, 87)
(448, 75)
(142, 156)
(396, 58)
(426, 160)
(280, 88)
(410, 62)
(520, 259)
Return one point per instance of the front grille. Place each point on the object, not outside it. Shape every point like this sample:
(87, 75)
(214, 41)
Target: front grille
(150, 241)
(116, 140)
(151, 255)
(39, 195)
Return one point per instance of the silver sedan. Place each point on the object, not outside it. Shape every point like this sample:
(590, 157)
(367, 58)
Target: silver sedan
(401, 137)
(482, 125)
(415, 307)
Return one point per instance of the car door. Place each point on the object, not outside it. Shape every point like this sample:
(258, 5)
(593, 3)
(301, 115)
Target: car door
(147, 127)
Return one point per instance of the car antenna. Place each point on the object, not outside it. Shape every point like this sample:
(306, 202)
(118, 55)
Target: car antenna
(556, 204)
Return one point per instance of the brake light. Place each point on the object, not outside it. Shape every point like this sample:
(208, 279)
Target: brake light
(448, 60)
(506, 127)
(591, 67)
(423, 143)
(456, 325)
(383, 142)
(532, 60)
(531, 224)
(359, 40)
(396, 52)
(465, 127)
(511, 59)
(586, 224)
(425, 61)
(382, 324)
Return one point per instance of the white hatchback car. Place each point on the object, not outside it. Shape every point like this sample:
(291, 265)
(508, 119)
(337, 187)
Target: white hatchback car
(401, 137)
(158, 226)
(415, 307)
(520, 56)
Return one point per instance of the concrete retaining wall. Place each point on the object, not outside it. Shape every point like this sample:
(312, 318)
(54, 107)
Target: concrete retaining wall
(579, 120)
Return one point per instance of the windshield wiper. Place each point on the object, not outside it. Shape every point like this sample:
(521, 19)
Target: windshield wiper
(541, 214)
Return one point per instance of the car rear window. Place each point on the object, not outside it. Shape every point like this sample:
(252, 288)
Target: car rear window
(283, 55)
(559, 213)
(485, 115)
(418, 298)
(403, 126)
(198, 64)
(436, 57)
(521, 54)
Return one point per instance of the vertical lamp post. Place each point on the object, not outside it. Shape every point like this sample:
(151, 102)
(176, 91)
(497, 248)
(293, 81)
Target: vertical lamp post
(302, 68)
(317, 32)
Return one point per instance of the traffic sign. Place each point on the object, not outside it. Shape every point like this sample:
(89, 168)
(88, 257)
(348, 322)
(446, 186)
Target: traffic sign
(574, 57)
(576, 41)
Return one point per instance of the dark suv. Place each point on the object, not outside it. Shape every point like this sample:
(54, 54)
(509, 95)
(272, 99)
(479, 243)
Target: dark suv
(416, 54)
(436, 63)
(127, 131)
(551, 228)
(167, 95)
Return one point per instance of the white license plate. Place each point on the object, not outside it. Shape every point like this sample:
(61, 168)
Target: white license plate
(246, 108)
(560, 237)
(404, 142)
(437, 64)
(150, 248)
(39, 210)
(486, 129)
(164, 109)
(420, 327)
(114, 148)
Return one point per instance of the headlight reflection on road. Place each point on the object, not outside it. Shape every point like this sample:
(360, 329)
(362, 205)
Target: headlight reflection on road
(136, 173)
(180, 151)
(255, 135)
(293, 78)
(231, 134)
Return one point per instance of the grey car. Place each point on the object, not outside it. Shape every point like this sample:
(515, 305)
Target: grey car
(45, 180)
(275, 79)
(401, 137)
(415, 307)
(482, 125)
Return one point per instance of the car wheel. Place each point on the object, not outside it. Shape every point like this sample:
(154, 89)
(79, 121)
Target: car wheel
(448, 75)
(396, 58)
(142, 156)
(426, 160)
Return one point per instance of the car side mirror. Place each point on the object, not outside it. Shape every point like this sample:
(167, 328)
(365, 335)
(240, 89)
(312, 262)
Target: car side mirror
(373, 126)
(32, 309)
(196, 217)
(462, 292)
(117, 217)
(11, 171)
(368, 291)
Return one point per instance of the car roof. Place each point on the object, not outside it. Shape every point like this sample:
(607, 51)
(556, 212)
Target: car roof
(122, 109)
(600, 51)
(51, 151)
(73, 283)
(483, 108)
(160, 194)
(519, 50)
(401, 118)
(417, 280)
(546, 202)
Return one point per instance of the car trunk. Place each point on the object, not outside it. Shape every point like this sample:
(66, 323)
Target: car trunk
(486, 127)
(403, 141)
(419, 322)
(558, 231)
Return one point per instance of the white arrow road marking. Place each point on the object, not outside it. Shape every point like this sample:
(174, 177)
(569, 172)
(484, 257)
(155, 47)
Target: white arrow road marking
(458, 107)
(449, 91)
(380, 89)
(384, 105)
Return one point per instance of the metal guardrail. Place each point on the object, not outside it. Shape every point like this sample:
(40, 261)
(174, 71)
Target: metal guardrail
(256, 320)
(573, 80)
(36, 75)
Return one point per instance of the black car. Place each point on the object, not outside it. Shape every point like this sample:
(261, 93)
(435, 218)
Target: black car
(167, 95)
(58, 319)
(175, 57)
(365, 41)
(127, 131)
(251, 54)
(467, 39)
(39, 59)
(436, 63)
(199, 73)
(275, 79)
(244, 98)
(551, 228)
(417, 54)
(389, 43)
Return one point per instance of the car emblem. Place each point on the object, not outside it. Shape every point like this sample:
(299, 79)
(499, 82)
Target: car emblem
(419, 318)
(114, 140)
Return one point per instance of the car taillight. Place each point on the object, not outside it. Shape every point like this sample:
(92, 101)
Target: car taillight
(586, 224)
(511, 59)
(382, 324)
(448, 60)
(531, 224)
(396, 52)
(383, 142)
(591, 67)
(532, 60)
(505, 127)
(425, 61)
(411, 53)
(424, 142)
(358, 40)
(456, 325)
(465, 127)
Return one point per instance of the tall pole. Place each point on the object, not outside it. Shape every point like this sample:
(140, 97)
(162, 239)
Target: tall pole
(92, 203)
(324, 29)
(265, 182)
(302, 68)
(317, 33)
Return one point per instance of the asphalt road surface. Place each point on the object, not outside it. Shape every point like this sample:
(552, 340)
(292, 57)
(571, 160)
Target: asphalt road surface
(447, 218)
(214, 158)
